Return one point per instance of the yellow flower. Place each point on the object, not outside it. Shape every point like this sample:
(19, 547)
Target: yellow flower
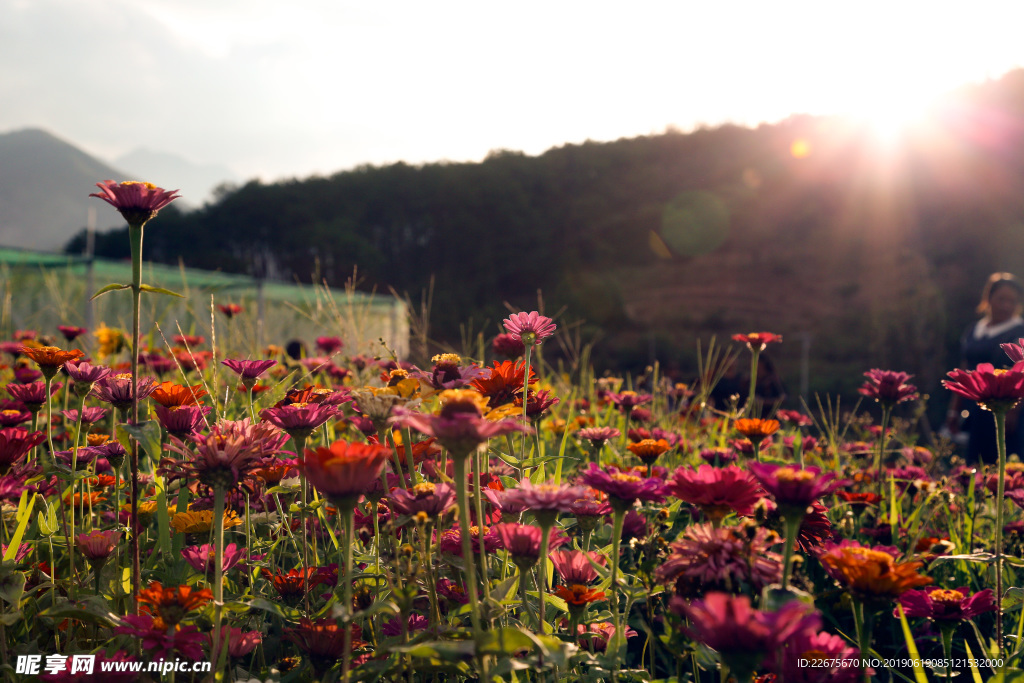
(110, 340)
(201, 522)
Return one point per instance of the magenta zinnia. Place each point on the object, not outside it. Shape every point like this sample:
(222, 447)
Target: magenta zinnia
(722, 559)
(433, 500)
(530, 328)
(460, 426)
(623, 489)
(137, 202)
(794, 487)
(888, 387)
(995, 390)
(717, 491)
(941, 604)
(574, 566)
(522, 541)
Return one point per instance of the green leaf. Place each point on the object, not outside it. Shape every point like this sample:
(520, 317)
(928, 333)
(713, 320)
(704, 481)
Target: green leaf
(48, 522)
(12, 585)
(148, 435)
(919, 674)
(975, 674)
(113, 286)
(159, 290)
(24, 515)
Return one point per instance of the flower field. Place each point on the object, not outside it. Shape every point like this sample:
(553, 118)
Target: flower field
(336, 517)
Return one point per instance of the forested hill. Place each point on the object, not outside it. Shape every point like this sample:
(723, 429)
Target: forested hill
(872, 249)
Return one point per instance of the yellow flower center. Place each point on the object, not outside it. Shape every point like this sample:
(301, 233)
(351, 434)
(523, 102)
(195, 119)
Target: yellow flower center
(946, 597)
(626, 478)
(11, 413)
(149, 186)
(123, 375)
(790, 474)
(447, 359)
(424, 489)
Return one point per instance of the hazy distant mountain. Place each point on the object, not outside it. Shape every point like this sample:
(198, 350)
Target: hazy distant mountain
(44, 190)
(195, 181)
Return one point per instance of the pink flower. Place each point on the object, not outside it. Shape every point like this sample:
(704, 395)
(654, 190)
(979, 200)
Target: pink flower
(626, 401)
(529, 328)
(137, 202)
(888, 387)
(598, 435)
(447, 373)
(522, 541)
(947, 605)
(117, 389)
(1014, 351)
(460, 427)
(15, 443)
(90, 415)
(82, 372)
(623, 489)
(792, 486)
(227, 457)
(832, 660)
(451, 540)
(597, 635)
(716, 490)
(574, 566)
(329, 345)
(249, 369)
(432, 499)
(201, 557)
(182, 421)
(543, 497)
(508, 346)
(158, 640)
(299, 419)
(70, 332)
(32, 394)
(794, 417)
(991, 388)
(240, 643)
(96, 546)
(745, 638)
(722, 559)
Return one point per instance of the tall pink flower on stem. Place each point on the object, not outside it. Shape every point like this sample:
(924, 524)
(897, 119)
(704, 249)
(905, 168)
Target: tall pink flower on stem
(136, 202)
(756, 343)
(531, 329)
(997, 391)
(717, 491)
(794, 490)
(889, 388)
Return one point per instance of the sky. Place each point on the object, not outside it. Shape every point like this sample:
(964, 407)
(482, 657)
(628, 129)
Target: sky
(275, 90)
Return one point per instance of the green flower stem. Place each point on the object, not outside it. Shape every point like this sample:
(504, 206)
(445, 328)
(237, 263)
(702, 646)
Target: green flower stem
(754, 355)
(793, 521)
(947, 649)
(428, 564)
(382, 437)
(410, 461)
(74, 480)
(135, 238)
(862, 623)
(478, 502)
(376, 536)
(886, 414)
(619, 517)
(527, 613)
(218, 574)
(526, 394)
(467, 546)
(252, 407)
(542, 583)
(300, 449)
(1000, 416)
(348, 517)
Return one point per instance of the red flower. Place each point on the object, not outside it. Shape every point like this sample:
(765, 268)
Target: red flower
(345, 471)
(137, 202)
(230, 310)
(756, 341)
(578, 594)
(888, 387)
(504, 382)
(993, 389)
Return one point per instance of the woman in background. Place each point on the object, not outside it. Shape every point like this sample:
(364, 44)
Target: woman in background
(1001, 323)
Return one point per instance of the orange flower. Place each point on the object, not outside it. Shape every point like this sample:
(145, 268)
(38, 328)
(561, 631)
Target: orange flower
(171, 605)
(169, 394)
(578, 594)
(97, 439)
(50, 358)
(870, 573)
(756, 429)
(344, 471)
(648, 450)
(92, 498)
